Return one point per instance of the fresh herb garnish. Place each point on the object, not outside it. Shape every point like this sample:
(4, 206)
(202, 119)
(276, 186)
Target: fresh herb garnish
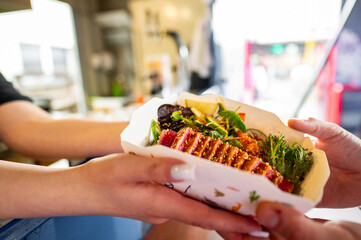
(292, 161)
(212, 123)
(156, 131)
(221, 107)
(214, 134)
(225, 127)
(298, 163)
(234, 119)
(177, 116)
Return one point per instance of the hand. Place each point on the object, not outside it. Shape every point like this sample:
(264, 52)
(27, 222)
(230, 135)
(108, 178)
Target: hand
(343, 151)
(121, 185)
(343, 189)
(284, 222)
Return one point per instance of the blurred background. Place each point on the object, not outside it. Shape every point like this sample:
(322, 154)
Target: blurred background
(103, 59)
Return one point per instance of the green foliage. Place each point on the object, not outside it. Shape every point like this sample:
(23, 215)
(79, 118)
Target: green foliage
(177, 116)
(224, 127)
(234, 119)
(292, 161)
(156, 131)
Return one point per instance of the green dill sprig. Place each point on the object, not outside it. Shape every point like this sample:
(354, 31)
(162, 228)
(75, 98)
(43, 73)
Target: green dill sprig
(292, 161)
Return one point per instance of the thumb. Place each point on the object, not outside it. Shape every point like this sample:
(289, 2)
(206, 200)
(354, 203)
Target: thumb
(316, 128)
(291, 224)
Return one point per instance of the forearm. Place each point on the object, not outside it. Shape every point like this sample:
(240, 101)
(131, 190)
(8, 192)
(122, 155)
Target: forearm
(35, 191)
(71, 139)
(31, 131)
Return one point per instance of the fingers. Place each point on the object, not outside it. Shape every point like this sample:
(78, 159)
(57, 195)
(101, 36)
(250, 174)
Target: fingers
(132, 168)
(340, 145)
(290, 224)
(159, 170)
(317, 128)
(135, 173)
(352, 227)
(184, 209)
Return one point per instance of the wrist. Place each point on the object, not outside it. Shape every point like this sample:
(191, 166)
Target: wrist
(84, 195)
(93, 185)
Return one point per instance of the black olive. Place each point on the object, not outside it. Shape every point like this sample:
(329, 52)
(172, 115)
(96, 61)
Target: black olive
(166, 110)
(186, 112)
(165, 116)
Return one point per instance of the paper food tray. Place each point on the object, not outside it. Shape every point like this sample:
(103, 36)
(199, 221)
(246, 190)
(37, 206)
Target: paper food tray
(224, 186)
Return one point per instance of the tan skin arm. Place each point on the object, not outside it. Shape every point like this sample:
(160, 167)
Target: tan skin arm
(116, 185)
(31, 131)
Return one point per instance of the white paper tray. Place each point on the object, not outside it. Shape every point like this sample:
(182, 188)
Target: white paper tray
(224, 186)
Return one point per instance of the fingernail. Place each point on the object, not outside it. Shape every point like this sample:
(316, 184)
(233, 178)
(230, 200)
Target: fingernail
(260, 234)
(183, 172)
(270, 219)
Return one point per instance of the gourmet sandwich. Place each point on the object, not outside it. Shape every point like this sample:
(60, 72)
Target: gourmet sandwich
(224, 138)
(242, 155)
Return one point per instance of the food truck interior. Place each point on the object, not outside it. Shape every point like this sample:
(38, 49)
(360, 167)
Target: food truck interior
(102, 59)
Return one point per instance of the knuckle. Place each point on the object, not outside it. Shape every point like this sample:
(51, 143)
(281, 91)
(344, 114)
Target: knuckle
(159, 171)
(154, 170)
(291, 230)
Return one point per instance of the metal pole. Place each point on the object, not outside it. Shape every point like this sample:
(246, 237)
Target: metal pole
(346, 10)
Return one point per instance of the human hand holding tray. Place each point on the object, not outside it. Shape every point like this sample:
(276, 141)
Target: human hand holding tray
(223, 186)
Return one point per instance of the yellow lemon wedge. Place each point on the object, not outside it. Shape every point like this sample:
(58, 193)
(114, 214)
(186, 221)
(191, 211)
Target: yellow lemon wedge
(209, 108)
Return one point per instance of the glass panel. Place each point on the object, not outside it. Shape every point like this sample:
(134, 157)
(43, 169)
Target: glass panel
(31, 58)
(59, 60)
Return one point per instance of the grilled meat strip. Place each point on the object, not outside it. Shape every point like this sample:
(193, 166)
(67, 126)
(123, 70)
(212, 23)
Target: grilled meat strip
(192, 142)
